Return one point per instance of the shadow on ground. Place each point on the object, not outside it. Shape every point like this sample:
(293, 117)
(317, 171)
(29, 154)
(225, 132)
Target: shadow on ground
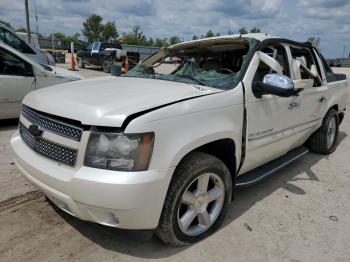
(8, 124)
(144, 244)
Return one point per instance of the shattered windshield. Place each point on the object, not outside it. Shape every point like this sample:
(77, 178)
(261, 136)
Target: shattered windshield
(213, 63)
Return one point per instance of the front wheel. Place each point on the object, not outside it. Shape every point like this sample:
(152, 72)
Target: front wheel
(107, 65)
(325, 139)
(197, 200)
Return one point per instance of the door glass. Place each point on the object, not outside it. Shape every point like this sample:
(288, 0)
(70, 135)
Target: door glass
(278, 53)
(12, 65)
(2, 35)
(13, 41)
(305, 58)
(95, 47)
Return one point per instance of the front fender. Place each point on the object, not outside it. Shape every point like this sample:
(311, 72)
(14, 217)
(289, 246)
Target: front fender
(182, 127)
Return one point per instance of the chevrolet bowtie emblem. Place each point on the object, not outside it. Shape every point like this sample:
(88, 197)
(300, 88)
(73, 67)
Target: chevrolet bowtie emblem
(35, 130)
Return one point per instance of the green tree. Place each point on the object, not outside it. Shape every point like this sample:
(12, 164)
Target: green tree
(230, 32)
(314, 40)
(58, 36)
(174, 40)
(93, 28)
(209, 34)
(243, 31)
(160, 42)
(194, 37)
(255, 29)
(110, 31)
(21, 30)
(73, 38)
(136, 37)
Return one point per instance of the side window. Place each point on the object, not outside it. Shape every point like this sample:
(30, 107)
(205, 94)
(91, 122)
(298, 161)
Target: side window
(278, 53)
(13, 41)
(12, 65)
(326, 67)
(304, 56)
(2, 36)
(95, 47)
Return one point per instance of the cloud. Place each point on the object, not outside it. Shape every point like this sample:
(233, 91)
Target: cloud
(248, 8)
(295, 19)
(323, 3)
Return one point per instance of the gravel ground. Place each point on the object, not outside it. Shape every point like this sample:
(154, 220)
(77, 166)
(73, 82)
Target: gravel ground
(300, 214)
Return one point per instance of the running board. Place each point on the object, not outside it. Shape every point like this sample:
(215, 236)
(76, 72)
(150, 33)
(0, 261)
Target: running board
(256, 175)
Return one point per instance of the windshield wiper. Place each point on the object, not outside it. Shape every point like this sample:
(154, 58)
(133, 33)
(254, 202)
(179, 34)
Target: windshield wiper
(193, 78)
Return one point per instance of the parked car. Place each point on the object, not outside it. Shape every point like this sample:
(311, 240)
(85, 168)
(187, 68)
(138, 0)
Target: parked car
(167, 152)
(10, 37)
(19, 75)
(104, 54)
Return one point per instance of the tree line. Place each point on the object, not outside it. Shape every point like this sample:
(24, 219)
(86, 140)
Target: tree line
(95, 30)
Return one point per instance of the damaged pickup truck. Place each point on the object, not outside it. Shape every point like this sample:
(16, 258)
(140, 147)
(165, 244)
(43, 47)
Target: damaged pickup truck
(166, 151)
(104, 55)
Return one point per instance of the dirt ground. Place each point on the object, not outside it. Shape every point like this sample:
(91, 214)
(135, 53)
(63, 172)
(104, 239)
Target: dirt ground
(300, 214)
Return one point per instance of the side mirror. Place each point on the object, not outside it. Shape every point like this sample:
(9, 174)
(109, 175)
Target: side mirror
(275, 84)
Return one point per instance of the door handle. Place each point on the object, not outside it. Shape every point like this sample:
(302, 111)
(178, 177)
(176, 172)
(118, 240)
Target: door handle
(323, 99)
(293, 105)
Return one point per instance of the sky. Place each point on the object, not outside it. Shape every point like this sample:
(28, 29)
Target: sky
(294, 19)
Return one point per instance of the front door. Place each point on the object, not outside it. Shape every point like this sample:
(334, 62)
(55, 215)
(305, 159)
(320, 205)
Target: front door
(271, 119)
(16, 80)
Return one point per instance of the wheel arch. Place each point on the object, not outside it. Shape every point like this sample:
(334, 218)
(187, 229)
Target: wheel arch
(224, 149)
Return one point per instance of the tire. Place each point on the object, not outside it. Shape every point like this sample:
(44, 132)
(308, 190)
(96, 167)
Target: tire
(325, 140)
(107, 66)
(81, 62)
(206, 211)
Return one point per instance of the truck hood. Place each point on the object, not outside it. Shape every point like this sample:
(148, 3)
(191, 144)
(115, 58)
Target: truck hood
(108, 101)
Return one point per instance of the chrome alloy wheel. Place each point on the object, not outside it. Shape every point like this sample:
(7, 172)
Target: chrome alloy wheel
(201, 204)
(331, 132)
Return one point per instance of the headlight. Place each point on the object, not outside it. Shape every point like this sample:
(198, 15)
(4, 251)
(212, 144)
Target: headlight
(118, 151)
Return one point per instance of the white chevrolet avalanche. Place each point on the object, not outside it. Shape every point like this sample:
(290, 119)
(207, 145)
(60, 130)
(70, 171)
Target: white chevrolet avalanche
(165, 146)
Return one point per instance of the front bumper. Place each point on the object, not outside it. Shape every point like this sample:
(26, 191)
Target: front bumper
(130, 200)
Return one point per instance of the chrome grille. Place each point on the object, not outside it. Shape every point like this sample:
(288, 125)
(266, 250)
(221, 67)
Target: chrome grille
(59, 153)
(53, 125)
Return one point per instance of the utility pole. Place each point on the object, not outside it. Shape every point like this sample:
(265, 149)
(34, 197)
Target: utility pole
(27, 22)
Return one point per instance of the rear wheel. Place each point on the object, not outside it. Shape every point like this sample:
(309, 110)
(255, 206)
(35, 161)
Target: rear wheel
(325, 139)
(197, 200)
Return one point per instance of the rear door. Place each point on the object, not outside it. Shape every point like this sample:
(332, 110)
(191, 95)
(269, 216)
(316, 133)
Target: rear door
(16, 80)
(312, 98)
